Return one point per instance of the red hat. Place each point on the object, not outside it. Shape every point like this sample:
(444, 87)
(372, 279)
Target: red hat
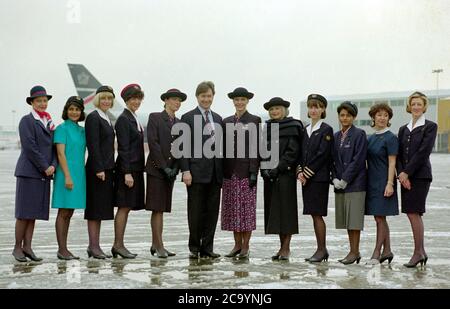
(130, 91)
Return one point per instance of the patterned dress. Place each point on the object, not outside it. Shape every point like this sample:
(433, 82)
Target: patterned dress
(238, 204)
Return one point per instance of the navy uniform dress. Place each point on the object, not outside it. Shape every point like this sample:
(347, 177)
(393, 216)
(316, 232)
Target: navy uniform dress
(130, 160)
(315, 163)
(36, 155)
(415, 146)
(100, 144)
(379, 148)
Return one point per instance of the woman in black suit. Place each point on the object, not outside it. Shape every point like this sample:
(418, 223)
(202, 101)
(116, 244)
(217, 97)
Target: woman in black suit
(416, 141)
(161, 167)
(314, 171)
(99, 169)
(130, 164)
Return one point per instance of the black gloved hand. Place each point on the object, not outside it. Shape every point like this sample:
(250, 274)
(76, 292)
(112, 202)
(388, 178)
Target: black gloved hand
(265, 174)
(252, 180)
(170, 173)
(273, 173)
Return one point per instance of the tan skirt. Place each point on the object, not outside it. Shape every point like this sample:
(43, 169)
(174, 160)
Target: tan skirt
(350, 209)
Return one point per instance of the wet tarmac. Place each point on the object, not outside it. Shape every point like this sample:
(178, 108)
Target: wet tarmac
(258, 272)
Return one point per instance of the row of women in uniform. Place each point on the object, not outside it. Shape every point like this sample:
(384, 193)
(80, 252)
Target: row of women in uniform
(364, 173)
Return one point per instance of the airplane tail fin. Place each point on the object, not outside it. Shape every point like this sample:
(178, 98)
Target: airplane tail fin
(86, 85)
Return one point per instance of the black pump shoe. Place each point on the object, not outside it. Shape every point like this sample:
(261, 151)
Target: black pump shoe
(32, 256)
(388, 257)
(123, 252)
(319, 259)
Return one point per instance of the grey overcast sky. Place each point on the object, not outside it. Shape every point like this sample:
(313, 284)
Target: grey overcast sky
(286, 48)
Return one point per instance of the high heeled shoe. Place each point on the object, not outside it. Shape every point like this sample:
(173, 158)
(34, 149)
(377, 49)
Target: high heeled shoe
(32, 256)
(66, 257)
(275, 257)
(90, 253)
(243, 256)
(123, 252)
(169, 253)
(388, 257)
(412, 264)
(19, 258)
(346, 261)
(161, 254)
(233, 253)
(319, 259)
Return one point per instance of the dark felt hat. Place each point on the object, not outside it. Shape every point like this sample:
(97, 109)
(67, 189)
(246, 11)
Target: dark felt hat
(276, 102)
(75, 100)
(37, 91)
(131, 90)
(349, 106)
(240, 92)
(173, 93)
(318, 97)
(105, 89)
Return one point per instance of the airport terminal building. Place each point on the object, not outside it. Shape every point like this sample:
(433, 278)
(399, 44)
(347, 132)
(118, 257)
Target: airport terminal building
(397, 101)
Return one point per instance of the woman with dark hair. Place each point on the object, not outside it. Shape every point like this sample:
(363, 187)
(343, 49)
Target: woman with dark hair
(162, 168)
(69, 189)
(416, 141)
(99, 169)
(130, 165)
(34, 171)
(350, 178)
(314, 171)
(280, 184)
(381, 197)
(240, 174)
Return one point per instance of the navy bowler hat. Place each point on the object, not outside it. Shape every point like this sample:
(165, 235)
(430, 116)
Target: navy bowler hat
(105, 89)
(318, 97)
(240, 92)
(173, 93)
(276, 102)
(37, 91)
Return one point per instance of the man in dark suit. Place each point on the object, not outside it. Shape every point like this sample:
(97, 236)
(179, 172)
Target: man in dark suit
(203, 174)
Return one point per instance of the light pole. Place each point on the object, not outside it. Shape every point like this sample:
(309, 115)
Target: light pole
(437, 71)
(14, 119)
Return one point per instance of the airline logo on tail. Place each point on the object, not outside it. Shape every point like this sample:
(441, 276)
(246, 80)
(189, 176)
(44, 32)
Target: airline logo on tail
(86, 85)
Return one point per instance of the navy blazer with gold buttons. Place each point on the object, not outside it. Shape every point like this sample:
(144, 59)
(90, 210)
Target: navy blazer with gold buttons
(316, 159)
(414, 150)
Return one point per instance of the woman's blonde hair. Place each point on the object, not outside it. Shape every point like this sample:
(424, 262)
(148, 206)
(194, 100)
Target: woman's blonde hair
(419, 95)
(100, 96)
(286, 111)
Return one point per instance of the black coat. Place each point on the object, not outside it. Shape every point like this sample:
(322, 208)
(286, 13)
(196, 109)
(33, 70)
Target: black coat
(414, 150)
(160, 140)
(280, 194)
(130, 142)
(100, 143)
(241, 167)
(289, 143)
(202, 169)
(316, 157)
